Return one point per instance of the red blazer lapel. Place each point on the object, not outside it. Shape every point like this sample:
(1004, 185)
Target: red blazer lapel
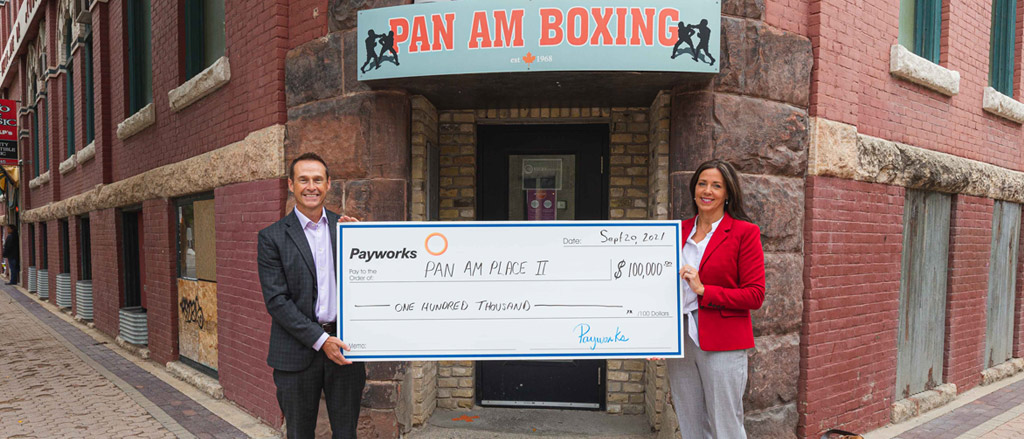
(720, 234)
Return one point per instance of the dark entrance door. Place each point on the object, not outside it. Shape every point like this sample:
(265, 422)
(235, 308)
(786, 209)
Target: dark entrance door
(545, 172)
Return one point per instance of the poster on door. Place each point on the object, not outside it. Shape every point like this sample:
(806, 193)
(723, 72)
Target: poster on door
(541, 204)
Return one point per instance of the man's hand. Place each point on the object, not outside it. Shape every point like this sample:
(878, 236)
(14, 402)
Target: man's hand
(333, 347)
(347, 219)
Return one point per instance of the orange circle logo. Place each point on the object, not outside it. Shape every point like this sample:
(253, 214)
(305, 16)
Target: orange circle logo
(426, 244)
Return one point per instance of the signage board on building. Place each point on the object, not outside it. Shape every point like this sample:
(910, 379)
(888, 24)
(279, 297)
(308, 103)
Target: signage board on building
(509, 290)
(509, 36)
(8, 132)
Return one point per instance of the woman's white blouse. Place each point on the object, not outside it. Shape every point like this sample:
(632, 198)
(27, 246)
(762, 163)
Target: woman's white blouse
(693, 252)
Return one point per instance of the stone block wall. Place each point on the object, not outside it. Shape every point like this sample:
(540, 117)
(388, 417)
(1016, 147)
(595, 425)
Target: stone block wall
(424, 136)
(626, 386)
(629, 155)
(657, 171)
(455, 384)
(424, 390)
(457, 183)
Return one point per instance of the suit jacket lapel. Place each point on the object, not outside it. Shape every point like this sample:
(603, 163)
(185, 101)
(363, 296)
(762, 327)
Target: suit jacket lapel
(721, 233)
(299, 238)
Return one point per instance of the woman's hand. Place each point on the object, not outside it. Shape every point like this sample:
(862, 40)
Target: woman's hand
(689, 274)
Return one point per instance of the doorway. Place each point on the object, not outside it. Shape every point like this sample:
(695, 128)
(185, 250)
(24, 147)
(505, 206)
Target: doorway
(542, 172)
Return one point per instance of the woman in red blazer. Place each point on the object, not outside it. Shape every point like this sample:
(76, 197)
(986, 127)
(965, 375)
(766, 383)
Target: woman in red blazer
(723, 266)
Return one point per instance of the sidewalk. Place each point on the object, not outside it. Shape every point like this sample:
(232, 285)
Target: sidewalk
(995, 411)
(57, 380)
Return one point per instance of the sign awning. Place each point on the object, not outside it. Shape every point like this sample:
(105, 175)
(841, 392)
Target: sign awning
(511, 36)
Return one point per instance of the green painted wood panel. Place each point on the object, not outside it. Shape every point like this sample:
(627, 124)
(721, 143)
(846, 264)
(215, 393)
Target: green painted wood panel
(922, 292)
(1002, 282)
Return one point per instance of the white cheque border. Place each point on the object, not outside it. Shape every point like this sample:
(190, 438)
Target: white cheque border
(676, 225)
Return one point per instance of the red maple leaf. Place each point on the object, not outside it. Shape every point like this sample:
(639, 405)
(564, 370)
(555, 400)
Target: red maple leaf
(529, 58)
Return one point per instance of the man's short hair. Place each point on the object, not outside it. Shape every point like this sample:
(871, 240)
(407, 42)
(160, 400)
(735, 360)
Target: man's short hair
(304, 157)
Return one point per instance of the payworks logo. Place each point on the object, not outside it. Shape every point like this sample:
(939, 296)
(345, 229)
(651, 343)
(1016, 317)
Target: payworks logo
(369, 255)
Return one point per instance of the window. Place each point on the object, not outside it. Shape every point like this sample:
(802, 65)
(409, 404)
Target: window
(921, 27)
(46, 137)
(140, 60)
(32, 245)
(35, 141)
(1002, 283)
(1001, 56)
(923, 293)
(44, 263)
(65, 246)
(197, 242)
(204, 34)
(90, 110)
(69, 89)
(131, 245)
(84, 249)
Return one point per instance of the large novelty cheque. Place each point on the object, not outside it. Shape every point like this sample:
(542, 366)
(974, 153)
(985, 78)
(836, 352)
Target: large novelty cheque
(509, 290)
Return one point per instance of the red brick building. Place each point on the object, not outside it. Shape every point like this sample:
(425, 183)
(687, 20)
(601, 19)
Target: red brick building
(881, 146)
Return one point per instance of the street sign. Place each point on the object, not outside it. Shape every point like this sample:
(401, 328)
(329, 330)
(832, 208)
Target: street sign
(8, 132)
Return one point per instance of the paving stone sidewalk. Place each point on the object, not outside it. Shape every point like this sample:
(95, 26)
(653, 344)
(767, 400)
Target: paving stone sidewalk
(57, 381)
(997, 415)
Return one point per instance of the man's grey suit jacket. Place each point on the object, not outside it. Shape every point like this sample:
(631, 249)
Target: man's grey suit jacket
(288, 278)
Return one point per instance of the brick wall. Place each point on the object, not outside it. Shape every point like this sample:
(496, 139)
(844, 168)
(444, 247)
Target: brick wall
(790, 15)
(970, 241)
(74, 235)
(53, 256)
(241, 211)
(424, 135)
(851, 82)
(161, 287)
(626, 386)
(628, 159)
(457, 139)
(253, 99)
(853, 235)
(87, 175)
(306, 20)
(455, 386)
(106, 269)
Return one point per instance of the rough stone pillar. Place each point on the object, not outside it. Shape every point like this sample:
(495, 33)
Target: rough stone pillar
(690, 143)
(754, 115)
(364, 136)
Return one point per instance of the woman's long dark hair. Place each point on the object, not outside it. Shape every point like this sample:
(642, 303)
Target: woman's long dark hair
(734, 193)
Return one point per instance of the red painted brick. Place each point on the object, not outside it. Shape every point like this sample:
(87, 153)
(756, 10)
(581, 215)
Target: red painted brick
(969, 253)
(851, 269)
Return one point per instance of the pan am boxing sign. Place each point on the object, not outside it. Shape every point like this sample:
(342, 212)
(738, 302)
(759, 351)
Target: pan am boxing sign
(498, 36)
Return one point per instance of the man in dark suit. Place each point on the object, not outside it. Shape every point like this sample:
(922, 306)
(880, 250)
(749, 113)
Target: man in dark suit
(296, 269)
(10, 252)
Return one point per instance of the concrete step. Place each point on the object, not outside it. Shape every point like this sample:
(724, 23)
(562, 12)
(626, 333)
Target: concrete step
(511, 423)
